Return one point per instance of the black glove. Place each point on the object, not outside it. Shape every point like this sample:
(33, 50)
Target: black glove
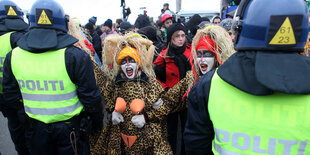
(85, 126)
(97, 121)
(96, 117)
(91, 123)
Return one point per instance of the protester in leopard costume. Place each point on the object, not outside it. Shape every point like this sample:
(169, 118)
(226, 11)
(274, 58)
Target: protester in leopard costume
(133, 96)
(171, 97)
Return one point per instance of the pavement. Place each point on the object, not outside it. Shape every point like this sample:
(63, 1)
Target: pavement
(6, 144)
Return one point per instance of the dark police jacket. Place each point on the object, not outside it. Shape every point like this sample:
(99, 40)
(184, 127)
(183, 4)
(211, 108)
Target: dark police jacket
(78, 65)
(254, 72)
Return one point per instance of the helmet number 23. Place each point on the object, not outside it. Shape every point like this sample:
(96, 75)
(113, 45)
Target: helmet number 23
(284, 39)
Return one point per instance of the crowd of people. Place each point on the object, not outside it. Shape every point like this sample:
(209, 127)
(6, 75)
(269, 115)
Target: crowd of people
(205, 86)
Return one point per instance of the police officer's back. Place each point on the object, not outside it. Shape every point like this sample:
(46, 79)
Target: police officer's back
(12, 27)
(56, 82)
(258, 101)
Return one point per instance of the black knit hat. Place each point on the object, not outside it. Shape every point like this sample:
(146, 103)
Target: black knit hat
(89, 26)
(173, 28)
(193, 23)
(142, 21)
(125, 26)
(108, 23)
(149, 32)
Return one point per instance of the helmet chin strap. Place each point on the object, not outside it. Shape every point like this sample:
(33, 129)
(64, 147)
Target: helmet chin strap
(237, 20)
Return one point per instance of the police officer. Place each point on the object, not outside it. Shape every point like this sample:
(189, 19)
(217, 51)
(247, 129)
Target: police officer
(258, 101)
(12, 28)
(55, 81)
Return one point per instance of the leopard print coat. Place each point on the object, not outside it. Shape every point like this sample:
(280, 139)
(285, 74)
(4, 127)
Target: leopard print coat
(151, 139)
(175, 98)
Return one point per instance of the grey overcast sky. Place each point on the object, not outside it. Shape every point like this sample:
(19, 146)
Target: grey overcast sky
(104, 9)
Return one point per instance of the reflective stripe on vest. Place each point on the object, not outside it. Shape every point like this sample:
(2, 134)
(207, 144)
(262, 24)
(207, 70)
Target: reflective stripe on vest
(248, 124)
(44, 97)
(55, 111)
(5, 42)
(47, 90)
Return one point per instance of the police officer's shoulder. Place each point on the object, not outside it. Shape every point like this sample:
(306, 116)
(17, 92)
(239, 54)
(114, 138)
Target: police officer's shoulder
(17, 35)
(75, 51)
(206, 78)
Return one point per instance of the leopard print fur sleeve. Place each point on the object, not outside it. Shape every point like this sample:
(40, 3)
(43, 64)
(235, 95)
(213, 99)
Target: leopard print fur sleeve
(105, 86)
(156, 90)
(174, 99)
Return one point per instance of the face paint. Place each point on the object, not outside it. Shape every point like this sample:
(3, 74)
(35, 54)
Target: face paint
(205, 60)
(129, 67)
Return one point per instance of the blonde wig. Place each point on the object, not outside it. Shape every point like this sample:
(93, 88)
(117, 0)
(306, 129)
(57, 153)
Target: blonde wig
(114, 44)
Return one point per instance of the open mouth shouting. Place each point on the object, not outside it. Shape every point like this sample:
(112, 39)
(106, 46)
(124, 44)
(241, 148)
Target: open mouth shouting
(204, 67)
(205, 64)
(129, 67)
(129, 71)
(205, 60)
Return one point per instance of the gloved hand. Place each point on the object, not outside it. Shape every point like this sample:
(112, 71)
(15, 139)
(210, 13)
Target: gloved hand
(93, 118)
(138, 120)
(117, 118)
(157, 104)
(97, 121)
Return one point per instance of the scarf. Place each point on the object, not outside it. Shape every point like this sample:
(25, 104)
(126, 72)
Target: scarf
(180, 59)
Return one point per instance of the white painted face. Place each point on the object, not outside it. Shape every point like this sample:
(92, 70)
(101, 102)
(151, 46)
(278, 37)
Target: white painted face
(206, 60)
(129, 67)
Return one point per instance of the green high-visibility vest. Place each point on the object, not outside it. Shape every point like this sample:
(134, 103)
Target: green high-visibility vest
(254, 125)
(47, 90)
(5, 42)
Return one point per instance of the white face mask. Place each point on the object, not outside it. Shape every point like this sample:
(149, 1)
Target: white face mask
(205, 59)
(129, 68)
(205, 64)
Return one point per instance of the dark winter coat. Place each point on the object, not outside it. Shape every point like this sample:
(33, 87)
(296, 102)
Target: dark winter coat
(97, 44)
(78, 65)
(241, 71)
